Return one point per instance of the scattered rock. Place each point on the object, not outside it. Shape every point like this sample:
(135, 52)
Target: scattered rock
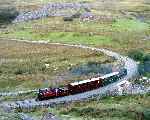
(49, 116)
(146, 38)
(25, 117)
(51, 9)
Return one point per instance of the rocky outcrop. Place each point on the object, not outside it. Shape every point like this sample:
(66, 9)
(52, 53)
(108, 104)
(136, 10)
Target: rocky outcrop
(49, 116)
(51, 9)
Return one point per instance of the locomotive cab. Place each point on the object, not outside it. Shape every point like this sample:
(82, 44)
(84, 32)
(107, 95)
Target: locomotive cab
(49, 93)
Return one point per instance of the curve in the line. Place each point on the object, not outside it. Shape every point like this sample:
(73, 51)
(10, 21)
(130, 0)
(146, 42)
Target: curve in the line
(129, 64)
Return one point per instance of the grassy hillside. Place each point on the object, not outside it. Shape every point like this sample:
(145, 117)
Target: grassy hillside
(125, 27)
(122, 35)
(125, 32)
(109, 108)
(23, 65)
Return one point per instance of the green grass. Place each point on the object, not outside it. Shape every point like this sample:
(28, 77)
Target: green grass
(8, 116)
(114, 108)
(23, 64)
(123, 32)
(64, 37)
(129, 25)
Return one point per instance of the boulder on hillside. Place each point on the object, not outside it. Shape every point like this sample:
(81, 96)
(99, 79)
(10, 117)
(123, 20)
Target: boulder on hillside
(49, 116)
(7, 13)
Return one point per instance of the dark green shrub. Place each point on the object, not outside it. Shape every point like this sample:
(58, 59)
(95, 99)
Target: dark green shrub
(75, 111)
(146, 57)
(136, 55)
(144, 66)
(19, 72)
(7, 14)
(147, 66)
(87, 110)
(87, 9)
(147, 114)
(68, 19)
(141, 69)
(76, 15)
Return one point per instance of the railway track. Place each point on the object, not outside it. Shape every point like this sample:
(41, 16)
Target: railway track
(17, 93)
(29, 104)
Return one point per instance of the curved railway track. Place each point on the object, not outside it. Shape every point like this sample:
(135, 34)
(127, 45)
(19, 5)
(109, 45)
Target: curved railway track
(129, 64)
(16, 93)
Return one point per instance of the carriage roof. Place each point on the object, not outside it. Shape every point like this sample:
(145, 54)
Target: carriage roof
(94, 79)
(109, 75)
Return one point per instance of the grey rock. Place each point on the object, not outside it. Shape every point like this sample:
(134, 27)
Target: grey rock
(49, 116)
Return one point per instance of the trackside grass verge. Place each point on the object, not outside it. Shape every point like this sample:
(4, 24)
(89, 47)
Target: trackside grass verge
(114, 108)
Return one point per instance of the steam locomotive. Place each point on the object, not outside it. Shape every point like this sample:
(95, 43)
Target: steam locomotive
(81, 86)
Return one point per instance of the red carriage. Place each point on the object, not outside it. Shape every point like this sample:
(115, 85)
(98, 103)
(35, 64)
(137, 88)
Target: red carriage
(81, 86)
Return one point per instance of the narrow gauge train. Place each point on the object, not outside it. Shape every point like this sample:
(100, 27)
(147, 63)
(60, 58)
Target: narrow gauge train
(81, 86)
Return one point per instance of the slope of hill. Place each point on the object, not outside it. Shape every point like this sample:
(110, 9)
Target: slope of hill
(120, 25)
